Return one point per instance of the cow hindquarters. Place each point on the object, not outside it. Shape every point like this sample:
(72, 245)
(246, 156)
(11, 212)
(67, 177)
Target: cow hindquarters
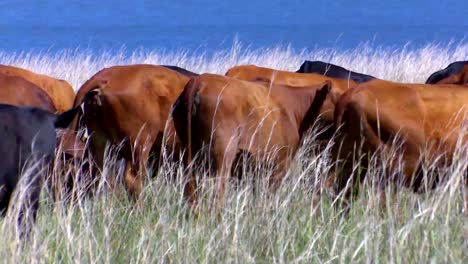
(136, 163)
(190, 129)
(224, 150)
(96, 117)
(357, 140)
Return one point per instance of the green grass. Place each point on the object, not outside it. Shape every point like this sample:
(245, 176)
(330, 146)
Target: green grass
(299, 223)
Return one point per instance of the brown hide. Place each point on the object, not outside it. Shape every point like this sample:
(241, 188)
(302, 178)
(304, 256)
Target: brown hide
(339, 86)
(60, 91)
(232, 115)
(131, 104)
(422, 115)
(20, 92)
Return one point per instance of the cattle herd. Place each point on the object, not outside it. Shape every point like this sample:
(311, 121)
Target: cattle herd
(149, 109)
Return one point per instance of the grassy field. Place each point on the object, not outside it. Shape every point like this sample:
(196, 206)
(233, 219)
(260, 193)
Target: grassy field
(297, 224)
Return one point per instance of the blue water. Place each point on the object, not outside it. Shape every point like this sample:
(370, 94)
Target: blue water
(202, 25)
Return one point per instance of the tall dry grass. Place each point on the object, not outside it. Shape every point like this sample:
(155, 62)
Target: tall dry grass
(403, 65)
(296, 224)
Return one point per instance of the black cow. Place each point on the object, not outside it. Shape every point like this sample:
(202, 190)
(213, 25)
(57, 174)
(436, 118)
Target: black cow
(27, 143)
(332, 70)
(454, 73)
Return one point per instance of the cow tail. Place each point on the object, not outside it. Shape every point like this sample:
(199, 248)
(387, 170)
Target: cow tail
(185, 110)
(87, 98)
(182, 119)
(314, 111)
(370, 135)
(353, 113)
(348, 121)
(193, 105)
(65, 119)
(340, 109)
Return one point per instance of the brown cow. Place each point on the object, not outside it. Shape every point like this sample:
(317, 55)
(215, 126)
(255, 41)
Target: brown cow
(130, 104)
(86, 87)
(60, 91)
(17, 91)
(339, 86)
(428, 118)
(232, 116)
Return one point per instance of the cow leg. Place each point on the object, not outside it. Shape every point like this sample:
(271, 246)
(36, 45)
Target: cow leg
(225, 153)
(348, 153)
(97, 145)
(5, 196)
(283, 163)
(133, 179)
(190, 188)
(130, 178)
(28, 207)
(387, 193)
(465, 192)
(466, 203)
(135, 172)
(28, 212)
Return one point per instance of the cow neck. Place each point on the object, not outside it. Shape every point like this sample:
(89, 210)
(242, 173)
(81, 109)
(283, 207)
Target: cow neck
(296, 102)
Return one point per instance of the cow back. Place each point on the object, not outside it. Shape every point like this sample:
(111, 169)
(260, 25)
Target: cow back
(60, 91)
(20, 92)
